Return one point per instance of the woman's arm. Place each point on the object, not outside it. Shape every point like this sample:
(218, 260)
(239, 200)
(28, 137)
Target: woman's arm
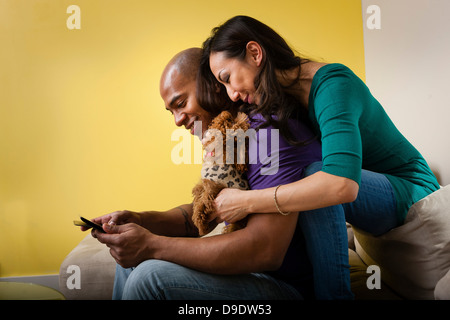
(316, 191)
(338, 103)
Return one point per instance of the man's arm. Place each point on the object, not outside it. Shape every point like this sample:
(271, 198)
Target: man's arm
(260, 246)
(176, 222)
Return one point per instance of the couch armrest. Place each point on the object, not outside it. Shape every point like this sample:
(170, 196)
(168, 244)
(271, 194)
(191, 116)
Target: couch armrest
(96, 271)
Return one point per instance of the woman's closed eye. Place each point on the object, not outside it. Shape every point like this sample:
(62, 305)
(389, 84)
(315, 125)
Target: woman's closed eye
(224, 77)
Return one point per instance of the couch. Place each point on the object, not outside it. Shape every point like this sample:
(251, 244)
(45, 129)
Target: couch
(413, 260)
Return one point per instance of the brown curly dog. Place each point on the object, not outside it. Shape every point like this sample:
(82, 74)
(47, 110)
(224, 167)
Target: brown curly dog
(216, 174)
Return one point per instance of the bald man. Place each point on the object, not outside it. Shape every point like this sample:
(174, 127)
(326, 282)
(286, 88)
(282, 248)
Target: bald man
(178, 90)
(160, 255)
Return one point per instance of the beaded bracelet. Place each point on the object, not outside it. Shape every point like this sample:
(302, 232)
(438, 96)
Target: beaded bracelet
(276, 203)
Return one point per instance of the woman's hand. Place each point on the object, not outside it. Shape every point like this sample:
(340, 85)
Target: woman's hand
(230, 205)
(117, 217)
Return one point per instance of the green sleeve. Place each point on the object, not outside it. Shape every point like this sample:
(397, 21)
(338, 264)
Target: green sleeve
(338, 105)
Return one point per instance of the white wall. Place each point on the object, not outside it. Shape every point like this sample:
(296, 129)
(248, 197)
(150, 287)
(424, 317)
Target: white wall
(408, 71)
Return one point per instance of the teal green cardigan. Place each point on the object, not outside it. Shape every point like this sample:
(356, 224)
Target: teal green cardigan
(356, 133)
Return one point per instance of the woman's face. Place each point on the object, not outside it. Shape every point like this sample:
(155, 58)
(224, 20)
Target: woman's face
(238, 76)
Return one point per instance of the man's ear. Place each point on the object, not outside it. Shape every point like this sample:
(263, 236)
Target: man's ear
(254, 52)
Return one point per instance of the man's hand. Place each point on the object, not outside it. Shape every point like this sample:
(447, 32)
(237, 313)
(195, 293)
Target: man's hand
(128, 243)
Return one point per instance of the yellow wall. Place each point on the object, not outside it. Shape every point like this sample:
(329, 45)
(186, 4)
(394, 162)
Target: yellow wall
(83, 130)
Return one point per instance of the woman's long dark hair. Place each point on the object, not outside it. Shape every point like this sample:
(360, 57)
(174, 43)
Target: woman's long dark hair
(231, 38)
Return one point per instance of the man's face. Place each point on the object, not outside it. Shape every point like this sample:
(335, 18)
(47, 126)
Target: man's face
(179, 95)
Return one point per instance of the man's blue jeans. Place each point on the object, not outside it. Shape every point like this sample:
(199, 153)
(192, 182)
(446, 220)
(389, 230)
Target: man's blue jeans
(162, 280)
(325, 231)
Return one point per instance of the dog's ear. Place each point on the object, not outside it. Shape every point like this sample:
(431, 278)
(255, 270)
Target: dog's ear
(198, 189)
(204, 194)
(242, 120)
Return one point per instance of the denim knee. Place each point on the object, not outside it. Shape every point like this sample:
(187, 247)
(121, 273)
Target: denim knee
(145, 280)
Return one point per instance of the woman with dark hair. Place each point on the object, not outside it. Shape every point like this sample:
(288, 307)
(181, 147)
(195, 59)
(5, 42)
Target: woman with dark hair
(370, 174)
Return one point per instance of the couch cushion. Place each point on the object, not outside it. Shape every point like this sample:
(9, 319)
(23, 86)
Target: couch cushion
(359, 277)
(442, 290)
(415, 256)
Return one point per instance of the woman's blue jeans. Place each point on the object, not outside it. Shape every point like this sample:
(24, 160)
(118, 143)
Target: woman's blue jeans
(325, 231)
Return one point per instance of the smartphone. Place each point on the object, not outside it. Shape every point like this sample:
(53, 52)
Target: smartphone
(89, 224)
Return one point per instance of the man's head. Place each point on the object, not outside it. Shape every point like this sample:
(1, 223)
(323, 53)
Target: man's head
(178, 90)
